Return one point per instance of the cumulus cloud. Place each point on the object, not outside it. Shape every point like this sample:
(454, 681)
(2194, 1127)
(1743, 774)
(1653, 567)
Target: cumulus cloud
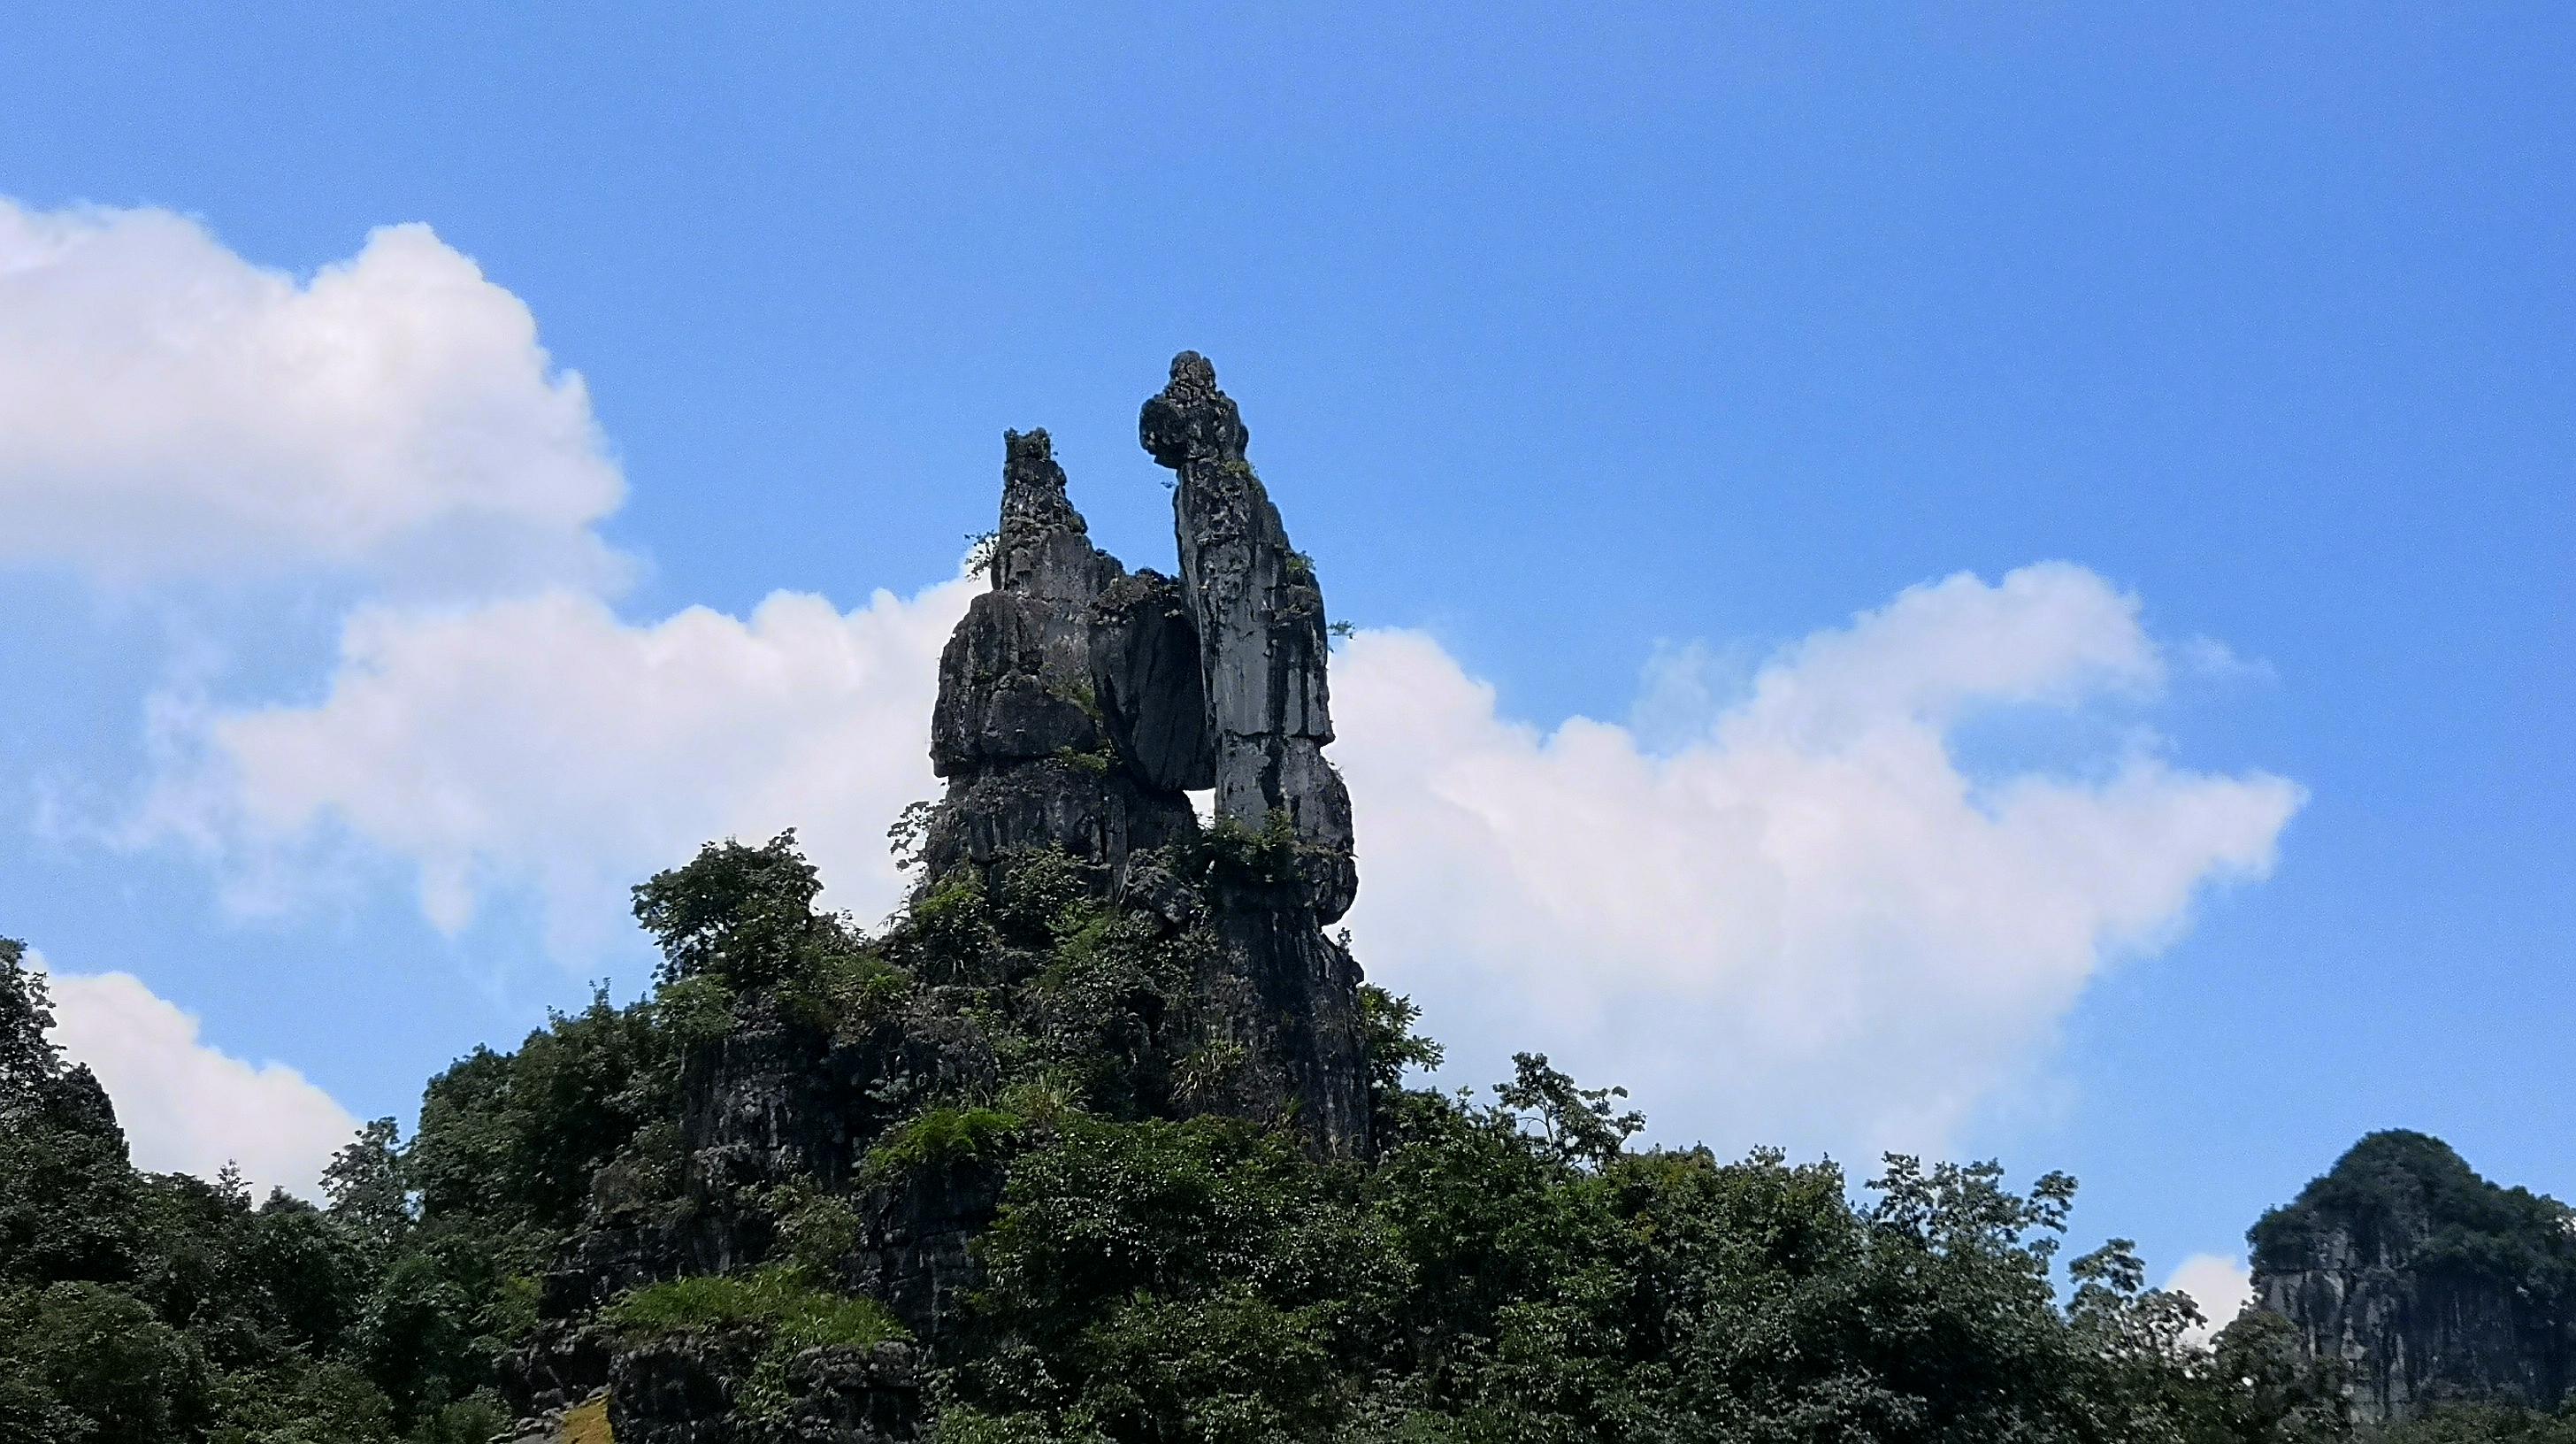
(186, 1105)
(167, 407)
(544, 744)
(1797, 918)
(1806, 923)
(2221, 1285)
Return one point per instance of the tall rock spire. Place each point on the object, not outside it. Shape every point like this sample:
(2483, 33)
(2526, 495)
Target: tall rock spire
(1260, 619)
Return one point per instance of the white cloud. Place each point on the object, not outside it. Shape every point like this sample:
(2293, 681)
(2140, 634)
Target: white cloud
(1801, 921)
(1807, 924)
(169, 408)
(187, 1106)
(2220, 1284)
(544, 744)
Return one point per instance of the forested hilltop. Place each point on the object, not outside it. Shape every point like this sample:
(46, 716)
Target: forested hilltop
(1103, 1137)
(1502, 1269)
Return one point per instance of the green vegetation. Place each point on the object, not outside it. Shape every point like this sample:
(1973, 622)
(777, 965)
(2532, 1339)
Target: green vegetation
(1508, 1266)
(2401, 1192)
(744, 916)
(141, 1309)
(1078, 692)
(777, 1307)
(943, 1138)
(2480, 1424)
(695, 1010)
(1096, 762)
(776, 1302)
(1268, 854)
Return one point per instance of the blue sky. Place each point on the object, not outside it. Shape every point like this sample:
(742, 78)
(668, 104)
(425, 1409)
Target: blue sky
(1618, 363)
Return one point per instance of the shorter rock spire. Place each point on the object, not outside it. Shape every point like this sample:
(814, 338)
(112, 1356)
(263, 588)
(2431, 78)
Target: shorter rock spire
(1017, 726)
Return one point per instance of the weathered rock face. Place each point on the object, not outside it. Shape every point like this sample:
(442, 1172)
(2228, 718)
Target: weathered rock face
(2425, 1283)
(775, 1102)
(1145, 672)
(1260, 619)
(1291, 996)
(1017, 729)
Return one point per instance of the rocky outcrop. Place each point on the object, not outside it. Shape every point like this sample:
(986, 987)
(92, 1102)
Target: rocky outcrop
(1017, 730)
(1260, 618)
(1078, 705)
(1289, 997)
(2422, 1283)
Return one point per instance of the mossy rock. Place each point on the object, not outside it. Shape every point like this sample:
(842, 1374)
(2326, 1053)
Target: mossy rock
(588, 1424)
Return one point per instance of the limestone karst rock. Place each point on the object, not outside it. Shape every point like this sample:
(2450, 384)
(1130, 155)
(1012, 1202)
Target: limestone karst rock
(1078, 704)
(1017, 729)
(2425, 1283)
(1260, 618)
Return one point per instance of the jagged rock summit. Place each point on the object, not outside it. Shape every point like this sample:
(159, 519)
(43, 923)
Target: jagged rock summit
(1078, 940)
(1260, 620)
(1078, 704)
(1018, 730)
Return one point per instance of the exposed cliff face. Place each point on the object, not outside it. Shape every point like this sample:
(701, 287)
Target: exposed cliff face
(2425, 1283)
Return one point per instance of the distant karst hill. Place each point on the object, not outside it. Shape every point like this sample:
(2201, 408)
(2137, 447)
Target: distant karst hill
(2424, 1283)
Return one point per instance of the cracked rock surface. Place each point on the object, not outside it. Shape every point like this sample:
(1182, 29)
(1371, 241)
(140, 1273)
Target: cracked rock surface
(1260, 619)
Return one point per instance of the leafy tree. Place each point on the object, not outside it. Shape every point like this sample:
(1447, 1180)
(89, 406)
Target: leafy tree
(1577, 1124)
(1507, 1267)
(513, 1140)
(82, 1362)
(741, 914)
(2267, 1393)
(364, 1182)
(29, 1061)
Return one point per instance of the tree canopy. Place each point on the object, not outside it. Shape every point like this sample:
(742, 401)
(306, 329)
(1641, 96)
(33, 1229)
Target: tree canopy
(1503, 1267)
